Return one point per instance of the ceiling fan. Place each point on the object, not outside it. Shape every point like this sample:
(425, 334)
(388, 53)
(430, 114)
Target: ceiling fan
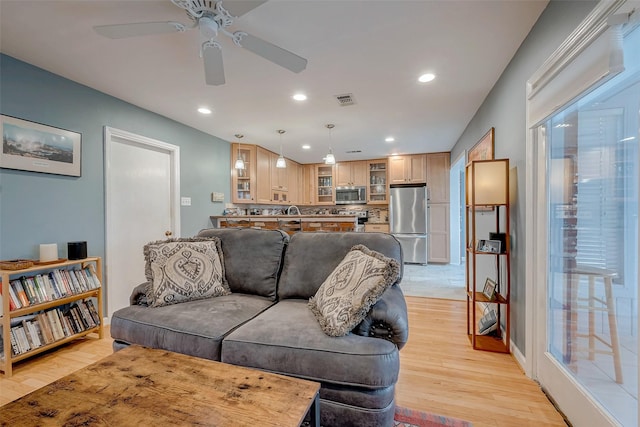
(212, 17)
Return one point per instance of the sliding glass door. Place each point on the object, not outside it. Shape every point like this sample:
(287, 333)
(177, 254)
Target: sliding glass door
(587, 357)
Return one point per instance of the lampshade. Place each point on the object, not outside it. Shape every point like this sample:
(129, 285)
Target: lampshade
(487, 182)
(330, 159)
(281, 163)
(239, 161)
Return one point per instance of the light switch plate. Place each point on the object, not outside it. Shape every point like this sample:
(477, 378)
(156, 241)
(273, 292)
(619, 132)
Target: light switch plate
(185, 201)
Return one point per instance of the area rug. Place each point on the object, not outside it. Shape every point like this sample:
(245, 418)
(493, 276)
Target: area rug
(405, 417)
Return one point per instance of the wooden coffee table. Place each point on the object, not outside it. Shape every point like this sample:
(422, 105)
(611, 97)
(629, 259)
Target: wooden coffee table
(139, 386)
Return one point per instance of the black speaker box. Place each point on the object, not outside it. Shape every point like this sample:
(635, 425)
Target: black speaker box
(503, 240)
(76, 250)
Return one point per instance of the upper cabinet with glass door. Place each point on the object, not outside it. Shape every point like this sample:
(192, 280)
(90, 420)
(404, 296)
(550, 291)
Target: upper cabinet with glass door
(243, 180)
(378, 182)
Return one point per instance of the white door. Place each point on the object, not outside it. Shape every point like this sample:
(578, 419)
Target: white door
(142, 205)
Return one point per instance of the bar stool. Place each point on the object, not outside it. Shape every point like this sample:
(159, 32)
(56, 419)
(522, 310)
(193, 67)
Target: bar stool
(604, 305)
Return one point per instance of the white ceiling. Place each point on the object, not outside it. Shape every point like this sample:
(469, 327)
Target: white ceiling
(373, 49)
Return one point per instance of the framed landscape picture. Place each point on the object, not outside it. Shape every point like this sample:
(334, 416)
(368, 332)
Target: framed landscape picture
(35, 147)
(483, 150)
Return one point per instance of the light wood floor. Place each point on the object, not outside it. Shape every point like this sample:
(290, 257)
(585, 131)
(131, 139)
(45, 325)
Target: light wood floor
(439, 372)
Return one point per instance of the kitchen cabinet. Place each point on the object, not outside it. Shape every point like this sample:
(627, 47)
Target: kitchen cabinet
(410, 169)
(294, 179)
(324, 184)
(438, 166)
(378, 190)
(263, 170)
(243, 181)
(438, 219)
(351, 174)
(279, 178)
(373, 227)
(308, 187)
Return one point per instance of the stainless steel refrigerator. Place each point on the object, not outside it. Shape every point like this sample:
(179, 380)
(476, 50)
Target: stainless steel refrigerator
(408, 221)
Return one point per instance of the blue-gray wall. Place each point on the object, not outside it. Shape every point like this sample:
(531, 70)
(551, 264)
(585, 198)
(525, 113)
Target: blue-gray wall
(41, 208)
(504, 109)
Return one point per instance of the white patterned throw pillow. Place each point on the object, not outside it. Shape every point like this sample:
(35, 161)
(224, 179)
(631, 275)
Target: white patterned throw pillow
(180, 270)
(345, 297)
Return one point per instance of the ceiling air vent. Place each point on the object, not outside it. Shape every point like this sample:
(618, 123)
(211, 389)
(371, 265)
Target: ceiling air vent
(346, 99)
(353, 151)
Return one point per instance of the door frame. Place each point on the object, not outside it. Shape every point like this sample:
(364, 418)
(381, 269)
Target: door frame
(456, 220)
(112, 136)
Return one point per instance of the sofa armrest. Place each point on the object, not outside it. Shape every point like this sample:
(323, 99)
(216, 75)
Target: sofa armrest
(139, 295)
(387, 319)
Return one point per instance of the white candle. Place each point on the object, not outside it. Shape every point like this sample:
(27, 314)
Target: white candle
(48, 252)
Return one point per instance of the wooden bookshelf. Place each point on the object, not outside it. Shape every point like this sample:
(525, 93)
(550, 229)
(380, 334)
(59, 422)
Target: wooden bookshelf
(8, 355)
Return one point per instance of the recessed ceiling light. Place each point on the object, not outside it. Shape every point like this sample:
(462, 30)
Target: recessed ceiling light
(300, 97)
(204, 110)
(426, 77)
(389, 139)
(306, 147)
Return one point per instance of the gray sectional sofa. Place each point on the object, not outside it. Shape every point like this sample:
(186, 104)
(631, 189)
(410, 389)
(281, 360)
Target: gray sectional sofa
(265, 322)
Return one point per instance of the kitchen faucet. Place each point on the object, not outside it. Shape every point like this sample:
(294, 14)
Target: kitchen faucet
(289, 210)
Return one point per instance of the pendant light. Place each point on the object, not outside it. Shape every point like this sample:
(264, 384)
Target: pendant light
(239, 162)
(330, 159)
(281, 163)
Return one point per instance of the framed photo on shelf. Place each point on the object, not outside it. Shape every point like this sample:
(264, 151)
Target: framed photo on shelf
(489, 246)
(489, 290)
(35, 147)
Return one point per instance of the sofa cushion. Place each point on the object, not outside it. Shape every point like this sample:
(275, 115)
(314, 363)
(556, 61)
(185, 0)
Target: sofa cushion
(195, 328)
(311, 257)
(287, 339)
(252, 258)
(180, 270)
(346, 296)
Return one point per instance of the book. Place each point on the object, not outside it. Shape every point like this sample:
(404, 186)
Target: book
(94, 312)
(14, 342)
(45, 327)
(21, 293)
(28, 290)
(13, 297)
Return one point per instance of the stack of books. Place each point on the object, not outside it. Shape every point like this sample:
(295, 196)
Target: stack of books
(51, 286)
(45, 327)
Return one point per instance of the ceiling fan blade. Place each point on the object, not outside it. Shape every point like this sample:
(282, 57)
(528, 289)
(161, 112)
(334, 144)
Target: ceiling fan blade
(240, 7)
(120, 31)
(272, 53)
(213, 64)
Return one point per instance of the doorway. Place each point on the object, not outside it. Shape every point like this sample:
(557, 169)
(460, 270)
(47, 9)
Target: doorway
(142, 205)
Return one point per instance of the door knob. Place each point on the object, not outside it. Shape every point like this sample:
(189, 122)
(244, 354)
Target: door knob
(168, 233)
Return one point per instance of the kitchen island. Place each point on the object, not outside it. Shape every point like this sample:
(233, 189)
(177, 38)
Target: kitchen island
(288, 223)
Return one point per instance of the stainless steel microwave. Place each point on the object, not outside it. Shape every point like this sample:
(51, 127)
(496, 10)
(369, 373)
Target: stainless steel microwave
(351, 195)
